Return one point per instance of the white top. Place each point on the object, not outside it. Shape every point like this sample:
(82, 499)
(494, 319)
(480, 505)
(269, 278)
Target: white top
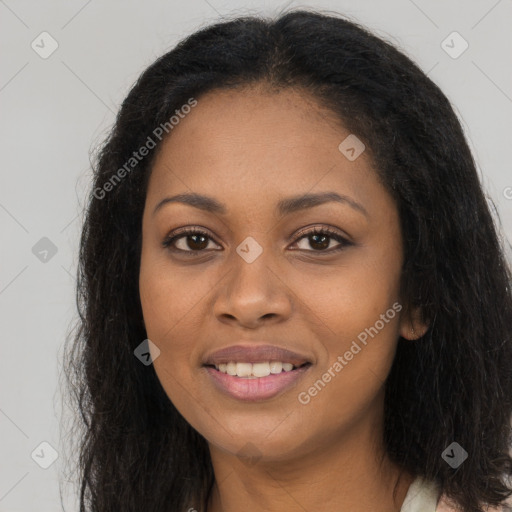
(422, 496)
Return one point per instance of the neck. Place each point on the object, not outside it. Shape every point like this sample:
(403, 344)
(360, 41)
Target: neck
(344, 471)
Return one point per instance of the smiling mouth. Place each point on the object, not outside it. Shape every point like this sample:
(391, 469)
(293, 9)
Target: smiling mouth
(248, 386)
(258, 370)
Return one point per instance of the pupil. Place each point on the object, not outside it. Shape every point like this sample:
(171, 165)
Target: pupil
(202, 244)
(323, 244)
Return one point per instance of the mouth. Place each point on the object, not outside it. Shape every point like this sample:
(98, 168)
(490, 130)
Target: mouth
(258, 355)
(258, 370)
(255, 372)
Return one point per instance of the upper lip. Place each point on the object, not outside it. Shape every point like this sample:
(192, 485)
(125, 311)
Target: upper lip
(254, 354)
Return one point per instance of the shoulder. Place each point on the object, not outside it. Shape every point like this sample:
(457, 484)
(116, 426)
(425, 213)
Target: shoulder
(445, 506)
(425, 495)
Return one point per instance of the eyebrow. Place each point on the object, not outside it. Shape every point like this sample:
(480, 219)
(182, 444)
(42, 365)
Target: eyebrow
(284, 206)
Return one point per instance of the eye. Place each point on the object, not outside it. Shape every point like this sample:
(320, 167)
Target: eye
(320, 239)
(194, 240)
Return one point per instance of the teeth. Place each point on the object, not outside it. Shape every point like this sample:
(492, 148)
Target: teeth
(276, 367)
(260, 369)
(249, 370)
(243, 369)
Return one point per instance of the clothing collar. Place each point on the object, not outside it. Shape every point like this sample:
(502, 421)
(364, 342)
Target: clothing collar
(422, 496)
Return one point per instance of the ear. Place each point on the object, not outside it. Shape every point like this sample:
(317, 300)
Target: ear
(412, 327)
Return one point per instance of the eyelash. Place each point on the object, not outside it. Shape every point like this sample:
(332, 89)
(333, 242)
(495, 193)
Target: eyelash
(324, 230)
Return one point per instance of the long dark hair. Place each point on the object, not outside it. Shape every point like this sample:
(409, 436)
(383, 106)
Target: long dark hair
(136, 452)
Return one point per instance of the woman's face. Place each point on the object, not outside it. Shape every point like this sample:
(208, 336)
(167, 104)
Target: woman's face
(261, 176)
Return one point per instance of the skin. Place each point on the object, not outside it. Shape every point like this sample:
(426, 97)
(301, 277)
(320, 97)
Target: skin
(249, 149)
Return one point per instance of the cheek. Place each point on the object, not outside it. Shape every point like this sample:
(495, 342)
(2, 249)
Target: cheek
(351, 297)
(169, 296)
(360, 309)
(172, 300)
(349, 381)
(164, 308)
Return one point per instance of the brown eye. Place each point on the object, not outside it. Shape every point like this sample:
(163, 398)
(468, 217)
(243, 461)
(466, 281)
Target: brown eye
(191, 240)
(320, 240)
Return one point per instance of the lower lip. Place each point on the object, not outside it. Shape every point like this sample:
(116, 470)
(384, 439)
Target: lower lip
(261, 388)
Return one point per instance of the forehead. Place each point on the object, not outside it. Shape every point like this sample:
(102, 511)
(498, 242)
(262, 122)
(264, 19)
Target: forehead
(257, 116)
(260, 143)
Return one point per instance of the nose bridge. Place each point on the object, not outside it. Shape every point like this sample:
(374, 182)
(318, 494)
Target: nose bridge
(251, 267)
(252, 290)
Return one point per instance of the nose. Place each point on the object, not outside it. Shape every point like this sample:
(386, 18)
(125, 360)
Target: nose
(253, 295)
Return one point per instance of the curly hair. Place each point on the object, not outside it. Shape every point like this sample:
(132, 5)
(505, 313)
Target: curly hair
(136, 451)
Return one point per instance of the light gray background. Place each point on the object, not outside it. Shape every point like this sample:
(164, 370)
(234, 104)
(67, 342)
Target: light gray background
(55, 110)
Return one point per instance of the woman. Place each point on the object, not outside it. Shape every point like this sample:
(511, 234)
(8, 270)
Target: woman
(291, 289)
